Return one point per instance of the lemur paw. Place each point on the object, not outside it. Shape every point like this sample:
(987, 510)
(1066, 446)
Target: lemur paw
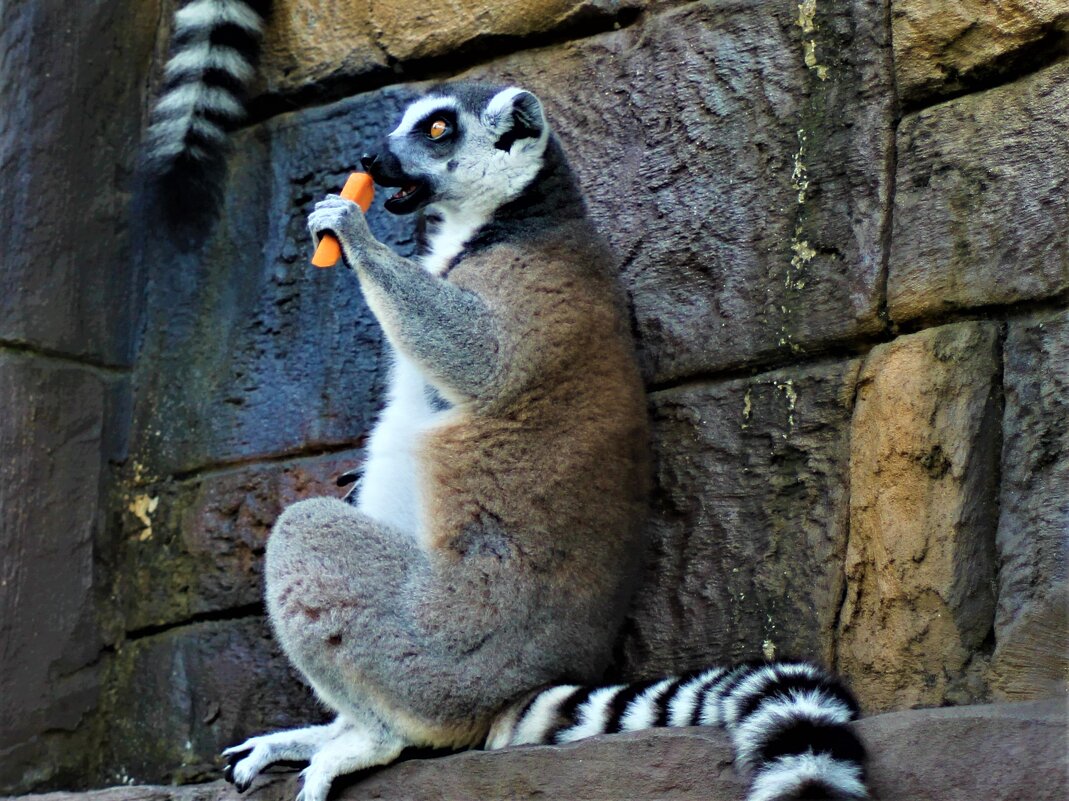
(343, 219)
(314, 785)
(243, 763)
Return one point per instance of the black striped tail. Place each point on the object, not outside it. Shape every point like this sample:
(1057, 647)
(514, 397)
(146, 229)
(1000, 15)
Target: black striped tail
(788, 721)
(214, 50)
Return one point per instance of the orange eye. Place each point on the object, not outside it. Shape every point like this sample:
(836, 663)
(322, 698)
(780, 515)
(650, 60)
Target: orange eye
(438, 127)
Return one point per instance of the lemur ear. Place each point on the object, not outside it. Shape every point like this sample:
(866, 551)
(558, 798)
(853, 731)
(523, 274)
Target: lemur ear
(515, 114)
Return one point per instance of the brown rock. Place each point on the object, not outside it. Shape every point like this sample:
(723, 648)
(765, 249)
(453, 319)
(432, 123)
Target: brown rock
(1031, 660)
(748, 530)
(1007, 752)
(176, 699)
(310, 41)
(920, 564)
(999, 752)
(942, 48)
(196, 546)
(1031, 627)
(981, 200)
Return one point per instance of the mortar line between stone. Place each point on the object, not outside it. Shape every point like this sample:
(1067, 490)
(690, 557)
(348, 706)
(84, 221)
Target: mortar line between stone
(221, 468)
(242, 612)
(891, 165)
(859, 348)
(1047, 51)
(27, 350)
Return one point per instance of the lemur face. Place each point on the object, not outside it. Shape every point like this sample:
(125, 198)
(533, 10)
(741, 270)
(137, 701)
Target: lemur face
(467, 147)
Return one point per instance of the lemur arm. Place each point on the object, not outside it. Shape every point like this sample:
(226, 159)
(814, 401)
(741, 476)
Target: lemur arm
(447, 331)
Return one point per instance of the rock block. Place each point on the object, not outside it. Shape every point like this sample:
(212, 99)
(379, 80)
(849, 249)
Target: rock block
(981, 201)
(58, 428)
(195, 547)
(944, 48)
(1033, 527)
(315, 40)
(748, 529)
(737, 158)
(920, 566)
(1005, 752)
(176, 699)
(256, 353)
(68, 137)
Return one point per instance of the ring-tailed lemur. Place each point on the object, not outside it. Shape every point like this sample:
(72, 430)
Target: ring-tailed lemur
(497, 525)
(215, 45)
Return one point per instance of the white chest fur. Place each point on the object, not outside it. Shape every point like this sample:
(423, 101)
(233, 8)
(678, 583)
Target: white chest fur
(390, 486)
(389, 489)
(449, 235)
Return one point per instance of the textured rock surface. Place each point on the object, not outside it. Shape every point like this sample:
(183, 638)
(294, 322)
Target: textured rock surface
(1014, 752)
(1034, 505)
(52, 472)
(1032, 621)
(743, 191)
(256, 354)
(195, 547)
(981, 199)
(176, 699)
(1031, 659)
(920, 565)
(749, 521)
(311, 41)
(69, 121)
(68, 135)
(941, 48)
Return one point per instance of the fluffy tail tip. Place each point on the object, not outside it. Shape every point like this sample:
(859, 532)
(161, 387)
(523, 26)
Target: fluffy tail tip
(811, 777)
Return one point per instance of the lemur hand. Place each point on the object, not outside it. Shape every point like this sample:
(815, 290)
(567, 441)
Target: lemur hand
(344, 219)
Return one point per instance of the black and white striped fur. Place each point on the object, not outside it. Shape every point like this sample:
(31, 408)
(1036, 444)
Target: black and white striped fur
(214, 49)
(788, 722)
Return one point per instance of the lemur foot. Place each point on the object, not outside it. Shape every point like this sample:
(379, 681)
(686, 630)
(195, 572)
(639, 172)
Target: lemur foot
(245, 761)
(350, 751)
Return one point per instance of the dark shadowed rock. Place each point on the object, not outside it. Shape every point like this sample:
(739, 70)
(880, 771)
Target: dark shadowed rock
(981, 199)
(57, 431)
(1008, 752)
(255, 352)
(196, 546)
(920, 568)
(68, 137)
(1032, 620)
(176, 699)
(748, 528)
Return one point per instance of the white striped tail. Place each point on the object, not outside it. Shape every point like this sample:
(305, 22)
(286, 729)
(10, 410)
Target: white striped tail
(788, 722)
(214, 50)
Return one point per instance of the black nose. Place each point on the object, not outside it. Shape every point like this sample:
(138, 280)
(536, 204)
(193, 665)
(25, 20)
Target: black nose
(367, 161)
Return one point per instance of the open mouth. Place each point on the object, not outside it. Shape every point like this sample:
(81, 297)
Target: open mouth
(408, 198)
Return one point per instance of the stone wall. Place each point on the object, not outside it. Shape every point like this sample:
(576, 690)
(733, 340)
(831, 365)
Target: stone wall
(843, 229)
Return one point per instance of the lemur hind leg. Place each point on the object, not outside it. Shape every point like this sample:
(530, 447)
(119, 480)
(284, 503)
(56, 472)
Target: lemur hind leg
(418, 642)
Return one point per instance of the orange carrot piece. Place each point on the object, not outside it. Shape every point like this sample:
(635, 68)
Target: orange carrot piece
(360, 189)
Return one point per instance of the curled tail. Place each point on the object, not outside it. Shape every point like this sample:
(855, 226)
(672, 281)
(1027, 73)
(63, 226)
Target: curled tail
(214, 50)
(787, 722)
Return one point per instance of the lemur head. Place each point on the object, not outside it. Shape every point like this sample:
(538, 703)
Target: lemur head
(468, 147)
